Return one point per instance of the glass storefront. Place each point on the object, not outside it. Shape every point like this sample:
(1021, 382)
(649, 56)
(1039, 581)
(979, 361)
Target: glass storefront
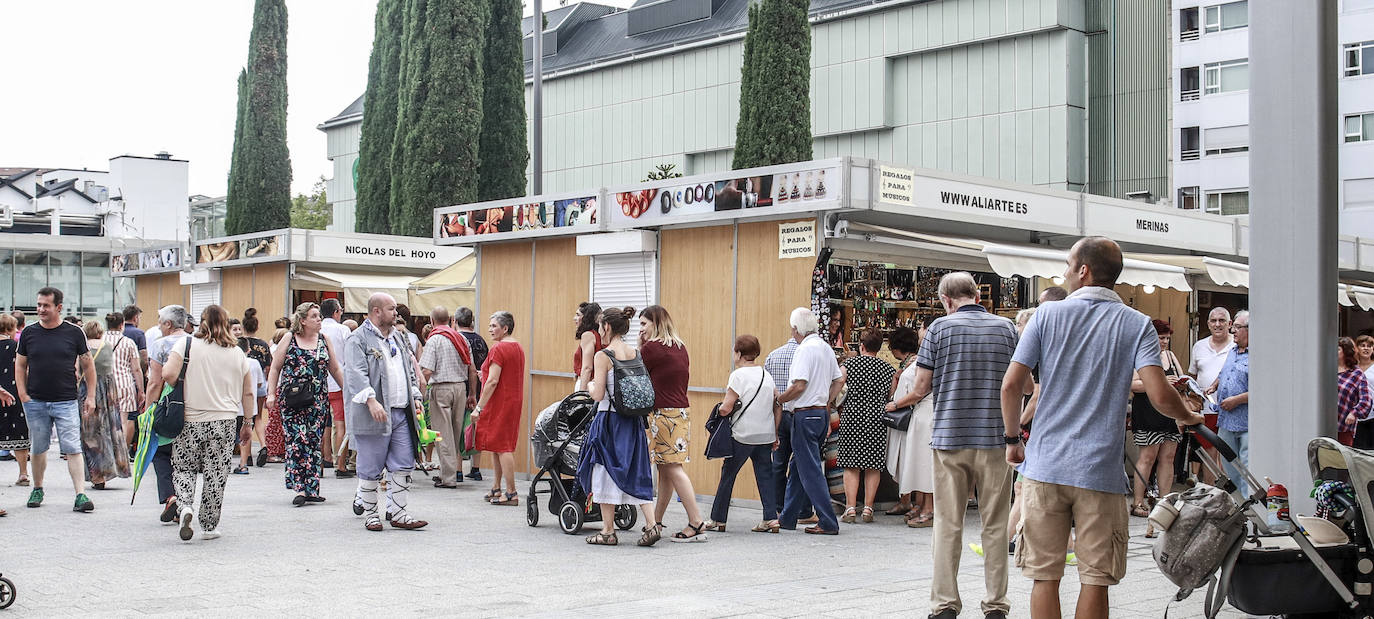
(83, 277)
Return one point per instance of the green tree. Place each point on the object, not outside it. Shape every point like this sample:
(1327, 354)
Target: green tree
(236, 155)
(260, 190)
(439, 116)
(312, 212)
(778, 124)
(663, 171)
(373, 211)
(502, 148)
(746, 128)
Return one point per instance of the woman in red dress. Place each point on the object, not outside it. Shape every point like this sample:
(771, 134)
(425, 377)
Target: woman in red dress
(498, 411)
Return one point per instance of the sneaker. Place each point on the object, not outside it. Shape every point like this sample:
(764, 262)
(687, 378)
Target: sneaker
(976, 548)
(475, 476)
(948, 613)
(169, 513)
(83, 504)
(35, 497)
(995, 614)
(210, 534)
(185, 531)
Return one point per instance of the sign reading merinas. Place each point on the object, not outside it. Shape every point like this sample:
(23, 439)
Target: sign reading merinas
(390, 252)
(1151, 225)
(992, 204)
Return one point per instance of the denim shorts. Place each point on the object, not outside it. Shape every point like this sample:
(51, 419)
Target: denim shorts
(42, 416)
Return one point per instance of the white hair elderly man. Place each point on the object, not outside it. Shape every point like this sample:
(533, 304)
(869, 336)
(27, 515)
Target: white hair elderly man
(814, 381)
(172, 321)
(1208, 355)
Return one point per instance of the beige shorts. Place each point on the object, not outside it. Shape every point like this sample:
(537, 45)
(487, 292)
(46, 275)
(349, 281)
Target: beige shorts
(1050, 511)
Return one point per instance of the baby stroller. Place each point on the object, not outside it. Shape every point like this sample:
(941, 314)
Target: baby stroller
(7, 592)
(1316, 568)
(559, 432)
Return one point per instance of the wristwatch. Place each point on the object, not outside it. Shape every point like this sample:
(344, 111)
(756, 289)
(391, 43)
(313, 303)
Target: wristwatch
(1012, 440)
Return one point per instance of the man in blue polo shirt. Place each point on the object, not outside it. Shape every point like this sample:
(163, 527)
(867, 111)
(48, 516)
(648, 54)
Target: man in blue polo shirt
(1086, 348)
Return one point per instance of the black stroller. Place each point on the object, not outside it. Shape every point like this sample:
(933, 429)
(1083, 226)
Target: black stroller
(559, 432)
(7, 592)
(1318, 568)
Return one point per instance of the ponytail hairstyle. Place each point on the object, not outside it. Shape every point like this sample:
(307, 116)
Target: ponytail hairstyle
(660, 328)
(618, 320)
(588, 313)
(250, 320)
(1348, 357)
(214, 327)
(298, 319)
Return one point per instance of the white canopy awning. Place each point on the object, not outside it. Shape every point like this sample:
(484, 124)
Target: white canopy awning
(355, 286)
(1364, 296)
(1008, 260)
(1343, 295)
(1221, 272)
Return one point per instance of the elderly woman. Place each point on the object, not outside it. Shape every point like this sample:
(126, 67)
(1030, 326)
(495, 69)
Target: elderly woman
(102, 433)
(909, 458)
(218, 387)
(497, 414)
(296, 386)
(171, 320)
(752, 394)
(863, 437)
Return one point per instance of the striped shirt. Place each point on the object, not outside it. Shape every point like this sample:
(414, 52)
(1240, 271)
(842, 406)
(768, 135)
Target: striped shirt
(126, 370)
(967, 353)
(779, 365)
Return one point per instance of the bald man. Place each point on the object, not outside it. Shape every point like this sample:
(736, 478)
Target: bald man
(382, 396)
(446, 364)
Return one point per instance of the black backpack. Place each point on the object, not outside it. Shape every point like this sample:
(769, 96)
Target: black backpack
(634, 393)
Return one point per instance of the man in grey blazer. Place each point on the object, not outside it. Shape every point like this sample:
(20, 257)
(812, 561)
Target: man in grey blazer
(381, 399)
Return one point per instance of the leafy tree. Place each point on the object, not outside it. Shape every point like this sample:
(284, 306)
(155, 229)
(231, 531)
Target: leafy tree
(260, 189)
(439, 117)
(312, 212)
(373, 211)
(236, 155)
(663, 171)
(746, 128)
(776, 121)
(502, 147)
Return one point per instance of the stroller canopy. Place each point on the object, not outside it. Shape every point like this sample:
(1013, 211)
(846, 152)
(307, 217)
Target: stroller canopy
(1330, 460)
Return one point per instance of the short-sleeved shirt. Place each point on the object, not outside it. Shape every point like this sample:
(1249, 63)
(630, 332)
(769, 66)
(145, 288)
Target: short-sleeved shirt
(51, 355)
(335, 332)
(967, 353)
(779, 366)
(441, 358)
(754, 424)
(478, 346)
(669, 370)
(1205, 363)
(814, 362)
(1234, 380)
(134, 333)
(163, 347)
(1086, 348)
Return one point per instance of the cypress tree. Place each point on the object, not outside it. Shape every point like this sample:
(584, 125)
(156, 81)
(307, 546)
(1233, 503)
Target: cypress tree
(782, 90)
(747, 128)
(263, 197)
(236, 155)
(439, 122)
(503, 149)
(379, 121)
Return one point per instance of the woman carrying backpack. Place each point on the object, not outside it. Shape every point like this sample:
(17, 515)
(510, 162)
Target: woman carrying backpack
(615, 455)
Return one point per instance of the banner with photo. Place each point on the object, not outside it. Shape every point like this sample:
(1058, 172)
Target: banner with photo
(151, 260)
(238, 250)
(487, 222)
(767, 190)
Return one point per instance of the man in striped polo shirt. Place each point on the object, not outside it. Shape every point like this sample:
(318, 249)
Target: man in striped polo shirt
(961, 364)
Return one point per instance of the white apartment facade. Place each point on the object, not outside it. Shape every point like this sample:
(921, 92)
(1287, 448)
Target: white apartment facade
(1210, 92)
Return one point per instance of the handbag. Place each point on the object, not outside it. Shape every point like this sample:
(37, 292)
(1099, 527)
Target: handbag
(899, 419)
(169, 418)
(300, 393)
(721, 436)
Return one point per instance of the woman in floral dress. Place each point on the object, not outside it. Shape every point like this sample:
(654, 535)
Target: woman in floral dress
(102, 433)
(304, 360)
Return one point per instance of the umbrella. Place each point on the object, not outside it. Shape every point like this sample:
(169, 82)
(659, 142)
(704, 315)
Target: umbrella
(148, 442)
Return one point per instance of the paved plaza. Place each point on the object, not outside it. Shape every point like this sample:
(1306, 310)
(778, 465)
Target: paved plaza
(473, 560)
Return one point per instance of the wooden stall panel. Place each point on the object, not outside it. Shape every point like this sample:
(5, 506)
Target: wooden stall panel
(769, 288)
(1163, 304)
(696, 274)
(505, 286)
(545, 390)
(270, 295)
(236, 290)
(147, 295)
(173, 293)
(561, 281)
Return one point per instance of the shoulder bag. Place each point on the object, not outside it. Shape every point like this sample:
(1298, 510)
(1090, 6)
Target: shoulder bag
(720, 435)
(899, 419)
(169, 418)
(299, 394)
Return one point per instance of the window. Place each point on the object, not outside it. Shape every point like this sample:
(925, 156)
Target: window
(1223, 140)
(6, 280)
(1359, 127)
(1187, 24)
(1188, 198)
(97, 291)
(1359, 58)
(1229, 202)
(30, 274)
(64, 273)
(1188, 84)
(1359, 193)
(1226, 17)
(1188, 143)
(1229, 76)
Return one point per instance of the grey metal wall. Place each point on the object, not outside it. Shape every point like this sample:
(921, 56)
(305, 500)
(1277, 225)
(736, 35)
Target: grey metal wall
(1128, 50)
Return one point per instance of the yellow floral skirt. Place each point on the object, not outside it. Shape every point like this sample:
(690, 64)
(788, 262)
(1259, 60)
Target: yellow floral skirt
(669, 436)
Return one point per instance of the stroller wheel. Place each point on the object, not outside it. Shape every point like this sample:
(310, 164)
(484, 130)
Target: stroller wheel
(531, 511)
(7, 593)
(625, 517)
(571, 518)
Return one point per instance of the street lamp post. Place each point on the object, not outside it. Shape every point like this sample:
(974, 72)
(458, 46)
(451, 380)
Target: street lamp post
(537, 105)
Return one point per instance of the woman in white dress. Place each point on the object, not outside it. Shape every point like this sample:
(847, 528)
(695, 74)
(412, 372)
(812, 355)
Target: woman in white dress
(909, 458)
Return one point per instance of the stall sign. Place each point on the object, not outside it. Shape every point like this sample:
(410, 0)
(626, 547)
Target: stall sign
(498, 220)
(738, 194)
(243, 249)
(797, 239)
(1157, 226)
(376, 249)
(151, 260)
(895, 185)
(906, 190)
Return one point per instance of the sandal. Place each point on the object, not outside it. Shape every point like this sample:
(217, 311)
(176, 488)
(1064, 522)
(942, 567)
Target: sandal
(867, 514)
(23, 481)
(494, 493)
(899, 510)
(1138, 510)
(921, 521)
(651, 535)
(698, 534)
(767, 526)
(603, 539)
(511, 498)
(712, 525)
(848, 517)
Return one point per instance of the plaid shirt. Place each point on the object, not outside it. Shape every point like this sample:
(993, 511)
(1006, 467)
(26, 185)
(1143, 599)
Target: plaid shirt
(442, 358)
(779, 365)
(1352, 397)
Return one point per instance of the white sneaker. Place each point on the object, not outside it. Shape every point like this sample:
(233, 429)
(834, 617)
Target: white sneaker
(186, 532)
(210, 534)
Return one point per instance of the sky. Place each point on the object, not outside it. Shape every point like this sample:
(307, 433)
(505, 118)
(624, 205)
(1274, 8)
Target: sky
(91, 80)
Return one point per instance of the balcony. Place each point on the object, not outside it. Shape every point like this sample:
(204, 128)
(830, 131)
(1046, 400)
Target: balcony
(1189, 35)
(1190, 95)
